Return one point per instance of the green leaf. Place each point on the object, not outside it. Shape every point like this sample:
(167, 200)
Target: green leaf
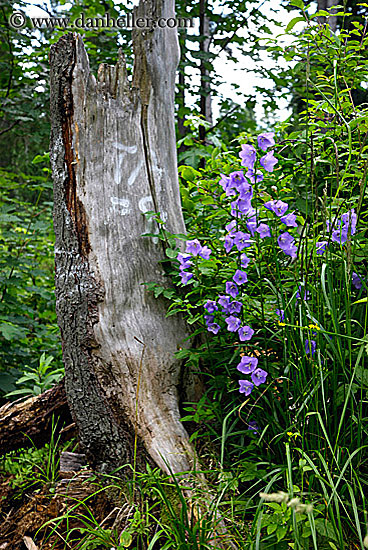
(271, 528)
(297, 3)
(293, 22)
(281, 532)
(171, 253)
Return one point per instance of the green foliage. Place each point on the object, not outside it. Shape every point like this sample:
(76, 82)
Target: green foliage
(29, 468)
(39, 379)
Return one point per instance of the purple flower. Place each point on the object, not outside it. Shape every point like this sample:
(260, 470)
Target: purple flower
(278, 207)
(357, 281)
(213, 327)
(245, 191)
(289, 220)
(245, 387)
(233, 323)
(235, 307)
(224, 181)
(237, 178)
(241, 240)
(252, 226)
(211, 306)
(306, 293)
(244, 260)
(245, 333)
(340, 235)
(259, 376)
(209, 319)
(231, 227)
(248, 156)
(285, 240)
(265, 140)
(240, 277)
(263, 230)
(205, 252)
(321, 247)
(193, 247)
(229, 243)
(232, 289)
(224, 302)
(286, 243)
(281, 314)
(247, 364)
(268, 161)
(254, 176)
(253, 427)
(184, 260)
(240, 207)
(350, 218)
(185, 277)
(310, 347)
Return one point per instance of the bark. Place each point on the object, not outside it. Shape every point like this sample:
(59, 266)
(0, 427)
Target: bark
(206, 100)
(34, 418)
(325, 5)
(113, 157)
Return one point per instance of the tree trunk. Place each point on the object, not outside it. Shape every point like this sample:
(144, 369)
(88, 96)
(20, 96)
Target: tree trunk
(325, 5)
(31, 421)
(205, 101)
(113, 157)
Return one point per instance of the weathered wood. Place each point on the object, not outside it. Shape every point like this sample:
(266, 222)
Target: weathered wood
(113, 155)
(30, 421)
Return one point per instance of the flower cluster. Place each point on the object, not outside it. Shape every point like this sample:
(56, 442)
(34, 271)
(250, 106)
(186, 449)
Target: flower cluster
(339, 230)
(193, 249)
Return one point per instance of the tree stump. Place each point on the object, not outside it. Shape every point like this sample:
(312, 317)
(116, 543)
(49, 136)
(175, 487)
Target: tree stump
(113, 156)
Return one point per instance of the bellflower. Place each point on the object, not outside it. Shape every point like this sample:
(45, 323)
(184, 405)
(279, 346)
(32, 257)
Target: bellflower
(224, 181)
(285, 240)
(232, 289)
(184, 260)
(306, 293)
(209, 319)
(266, 140)
(205, 253)
(213, 327)
(245, 191)
(241, 240)
(247, 364)
(235, 307)
(193, 247)
(244, 260)
(237, 179)
(240, 207)
(252, 226)
(245, 387)
(281, 314)
(248, 156)
(278, 207)
(224, 302)
(357, 281)
(310, 347)
(185, 277)
(321, 247)
(259, 376)
(229, 243)
(268, 161)
(231, 227)
(254, 177)
(263, 230)
(211, 306)
(233, 323)
(289, 220)
(350, 218)
(340, 235)
(253, 427)
(245, 333)
(240, 277)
